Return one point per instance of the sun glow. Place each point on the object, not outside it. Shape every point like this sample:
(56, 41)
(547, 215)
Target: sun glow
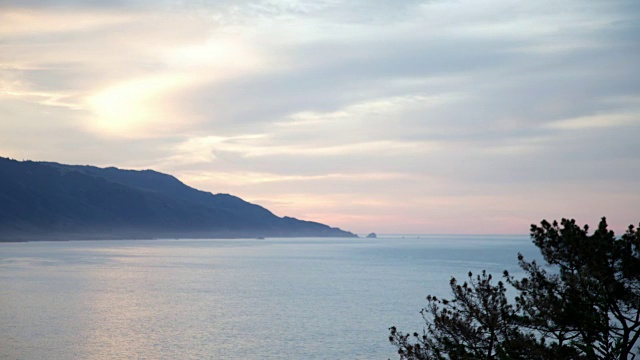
(134, 108)
(141, 107)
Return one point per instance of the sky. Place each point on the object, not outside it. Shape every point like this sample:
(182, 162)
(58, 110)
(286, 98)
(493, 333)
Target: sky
(442, 116)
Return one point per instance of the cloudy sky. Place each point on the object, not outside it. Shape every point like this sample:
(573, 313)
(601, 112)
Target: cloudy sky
(441, 116)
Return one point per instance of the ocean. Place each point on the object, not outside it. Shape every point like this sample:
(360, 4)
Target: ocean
(284, 298)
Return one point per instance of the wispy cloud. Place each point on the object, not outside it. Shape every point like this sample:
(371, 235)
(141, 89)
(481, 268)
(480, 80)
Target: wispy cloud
(597, 121)
(424, 116)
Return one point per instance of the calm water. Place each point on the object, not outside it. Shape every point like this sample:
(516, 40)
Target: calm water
(229, 299)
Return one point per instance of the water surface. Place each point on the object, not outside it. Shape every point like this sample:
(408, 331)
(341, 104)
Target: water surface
(230, 299)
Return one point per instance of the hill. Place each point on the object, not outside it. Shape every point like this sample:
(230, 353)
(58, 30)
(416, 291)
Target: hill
(45, 200)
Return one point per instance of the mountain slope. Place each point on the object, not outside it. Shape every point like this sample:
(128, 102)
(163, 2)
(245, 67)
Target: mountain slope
(50, 200)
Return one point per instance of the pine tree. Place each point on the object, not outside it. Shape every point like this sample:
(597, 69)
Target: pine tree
(586, 306)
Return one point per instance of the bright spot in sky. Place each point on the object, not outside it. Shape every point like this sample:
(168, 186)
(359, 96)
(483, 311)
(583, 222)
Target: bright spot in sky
(134, 108)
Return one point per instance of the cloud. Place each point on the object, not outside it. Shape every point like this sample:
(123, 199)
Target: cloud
(596, 121)
(416, 114)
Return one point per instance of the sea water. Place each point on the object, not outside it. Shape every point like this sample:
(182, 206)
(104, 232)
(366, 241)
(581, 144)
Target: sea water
(296, 298)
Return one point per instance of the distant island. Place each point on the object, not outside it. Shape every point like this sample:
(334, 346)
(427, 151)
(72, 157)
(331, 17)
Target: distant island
(372, 236)
(51, 201)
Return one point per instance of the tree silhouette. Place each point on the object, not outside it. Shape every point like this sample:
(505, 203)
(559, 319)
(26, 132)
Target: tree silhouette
(586, 306)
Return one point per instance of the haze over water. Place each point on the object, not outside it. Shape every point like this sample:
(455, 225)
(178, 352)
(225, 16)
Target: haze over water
(230, 299)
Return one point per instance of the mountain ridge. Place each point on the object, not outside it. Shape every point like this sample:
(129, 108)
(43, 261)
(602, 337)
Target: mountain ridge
(49, 200)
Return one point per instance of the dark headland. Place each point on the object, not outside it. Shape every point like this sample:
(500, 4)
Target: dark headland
(51, 201)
